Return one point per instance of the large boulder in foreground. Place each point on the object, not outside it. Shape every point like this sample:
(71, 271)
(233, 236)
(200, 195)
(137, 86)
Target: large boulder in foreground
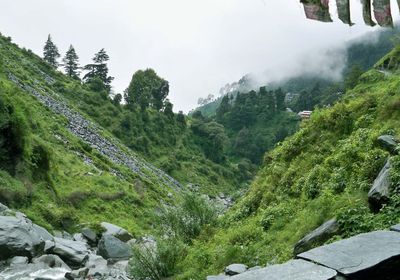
(111, 247)
(317, 236)
(116, 231)
(292, 270)
(380, 190)
(19, 237)
(373, 255)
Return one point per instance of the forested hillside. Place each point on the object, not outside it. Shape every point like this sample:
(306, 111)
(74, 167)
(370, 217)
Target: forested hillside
(323, 171)
(361, 54)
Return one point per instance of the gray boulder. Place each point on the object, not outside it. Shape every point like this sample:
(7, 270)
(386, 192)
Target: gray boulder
(97, 265)
(380, 190)
(79, 274)
(373, 255)
(72, 252)
(111, 247)
(388, 142)
(43, 233)
(90, 235)
(5, 211)
(218, 277)
(116, 231)
(18, 237)
(292, 270)
(236, 268)
(317, 236)
(395, 228)
(51, 261)
(18, 261)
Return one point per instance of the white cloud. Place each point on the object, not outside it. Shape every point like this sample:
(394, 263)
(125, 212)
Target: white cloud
(198, 45)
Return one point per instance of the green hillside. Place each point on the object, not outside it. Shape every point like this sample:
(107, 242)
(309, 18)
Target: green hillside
(323, 171)
(363, 52)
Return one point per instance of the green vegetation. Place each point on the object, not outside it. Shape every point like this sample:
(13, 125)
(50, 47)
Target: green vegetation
(325, 170)
(179, 226)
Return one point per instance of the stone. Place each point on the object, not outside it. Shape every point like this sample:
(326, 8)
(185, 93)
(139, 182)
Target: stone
(4, 210)
(255, 268)
(51, 261)
(18, 237)
(388, 142)
(18, 261)
(77, 274)
(48, 245)
(97, 265)
(79, 237)
(292, 270)
(217, 277)
(43, 233)
(395, 228)
(380, 190)
(116, 231)
(236, 268)
(111, 247)
(317, 236)
(72, 252)
(89, 234)
(373, 255)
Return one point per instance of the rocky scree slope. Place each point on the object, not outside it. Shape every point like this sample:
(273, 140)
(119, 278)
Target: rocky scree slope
(92, 134)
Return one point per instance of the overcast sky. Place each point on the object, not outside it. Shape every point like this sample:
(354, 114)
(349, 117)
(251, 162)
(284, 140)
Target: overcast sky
(197, 45)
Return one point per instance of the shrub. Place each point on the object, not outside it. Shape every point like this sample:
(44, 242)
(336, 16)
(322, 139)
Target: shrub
(187, 220)
(156, 262)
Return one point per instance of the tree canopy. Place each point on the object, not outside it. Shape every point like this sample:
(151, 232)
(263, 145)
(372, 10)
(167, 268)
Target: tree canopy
(50, 52)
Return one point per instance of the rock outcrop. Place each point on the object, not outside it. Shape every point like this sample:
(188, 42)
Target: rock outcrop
(388, 142)
(374, 255)
(317, 237)
(292, 270)
(380, 190)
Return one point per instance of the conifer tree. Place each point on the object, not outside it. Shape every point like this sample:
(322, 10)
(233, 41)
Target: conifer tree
(71, 63)
(99, 69)
(50, 52)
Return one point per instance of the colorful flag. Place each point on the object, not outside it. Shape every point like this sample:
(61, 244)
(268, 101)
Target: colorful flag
(317, 10)
(382, 12)
(367, 12)
(343, 7)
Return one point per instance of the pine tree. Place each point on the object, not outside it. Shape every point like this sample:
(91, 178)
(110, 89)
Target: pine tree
(50, 52)
(99, 69)
(71, 64)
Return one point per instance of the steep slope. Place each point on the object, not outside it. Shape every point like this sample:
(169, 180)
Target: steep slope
(58, 166)
(323, 171)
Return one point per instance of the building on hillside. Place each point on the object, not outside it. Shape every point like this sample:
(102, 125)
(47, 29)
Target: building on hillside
(304, 115)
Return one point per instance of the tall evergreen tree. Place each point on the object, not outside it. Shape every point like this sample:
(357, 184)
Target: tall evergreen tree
(99, 69)
(50, 52)
(71, 63)
(280, 100)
